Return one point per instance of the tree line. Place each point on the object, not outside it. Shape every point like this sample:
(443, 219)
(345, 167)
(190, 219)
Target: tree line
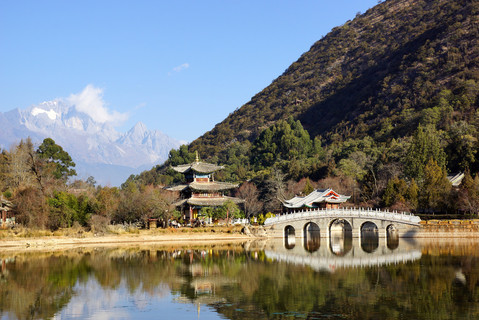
(39, 182)
(405, 174)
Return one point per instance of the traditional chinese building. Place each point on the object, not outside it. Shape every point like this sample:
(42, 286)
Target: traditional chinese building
(6, 217)
(201, 190)
(320, 198)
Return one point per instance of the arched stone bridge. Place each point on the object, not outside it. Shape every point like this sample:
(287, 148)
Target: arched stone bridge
(352, 220)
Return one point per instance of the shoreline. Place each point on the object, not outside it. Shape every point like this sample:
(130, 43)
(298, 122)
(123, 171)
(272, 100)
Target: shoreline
(67, 242)
(72, 239)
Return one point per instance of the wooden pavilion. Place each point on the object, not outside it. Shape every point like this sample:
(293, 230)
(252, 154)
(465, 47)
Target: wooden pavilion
(201, 190)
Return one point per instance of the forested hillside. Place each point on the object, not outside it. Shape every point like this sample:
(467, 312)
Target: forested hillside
(372, 76)
(382, 107)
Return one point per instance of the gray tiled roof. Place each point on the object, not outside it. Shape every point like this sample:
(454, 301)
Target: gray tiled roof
(212, 186)
(200, 167)
(179, 187)
(204, 186)
(210, 202)
(317, 196)
(456, 179)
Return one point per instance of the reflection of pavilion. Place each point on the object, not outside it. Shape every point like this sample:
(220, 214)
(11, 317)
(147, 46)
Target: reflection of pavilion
(341, 255)
(4, 271)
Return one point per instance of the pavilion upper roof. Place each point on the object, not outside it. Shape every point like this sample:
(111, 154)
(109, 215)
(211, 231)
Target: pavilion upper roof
(317, 196)
(200, 167)
(212, 186)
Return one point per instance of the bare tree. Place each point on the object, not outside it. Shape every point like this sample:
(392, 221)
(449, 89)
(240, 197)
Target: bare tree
(275, 190)
(250, 194)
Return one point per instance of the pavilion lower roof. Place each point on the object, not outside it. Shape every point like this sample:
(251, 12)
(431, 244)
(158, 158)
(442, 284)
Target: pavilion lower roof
(208, 202)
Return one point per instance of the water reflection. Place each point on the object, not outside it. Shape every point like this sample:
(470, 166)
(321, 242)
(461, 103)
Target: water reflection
(392, 236)
(289, 237)
(369, 237)
(341, 237)
(257, 280)
(312, 237)
(359, 254)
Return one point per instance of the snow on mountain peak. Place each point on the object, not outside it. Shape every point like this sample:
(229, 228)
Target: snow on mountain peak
(97, 147)
(50, 113)
(139, 129)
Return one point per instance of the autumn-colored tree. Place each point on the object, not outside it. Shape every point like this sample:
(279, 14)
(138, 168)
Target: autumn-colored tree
(31, 209)
(435, 192)
(468, 198)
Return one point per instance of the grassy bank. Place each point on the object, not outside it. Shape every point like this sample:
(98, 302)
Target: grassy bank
(112, 230)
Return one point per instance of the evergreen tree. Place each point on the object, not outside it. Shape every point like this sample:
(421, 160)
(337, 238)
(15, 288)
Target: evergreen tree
(308, 187)
(413, 193)
(436, 188)
(55, 154)
(426, 145)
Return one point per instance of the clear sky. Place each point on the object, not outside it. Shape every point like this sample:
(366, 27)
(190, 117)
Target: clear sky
(177, 66)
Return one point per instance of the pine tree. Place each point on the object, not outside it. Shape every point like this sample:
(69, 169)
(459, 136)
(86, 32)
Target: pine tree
(412, 193)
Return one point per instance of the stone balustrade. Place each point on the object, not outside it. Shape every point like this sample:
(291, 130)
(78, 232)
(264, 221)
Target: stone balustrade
(402, 217)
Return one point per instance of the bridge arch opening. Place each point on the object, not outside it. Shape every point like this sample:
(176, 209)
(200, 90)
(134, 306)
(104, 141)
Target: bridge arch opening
(369, 237)
(340, 237)
(392, 237)
(312, 237)
(289, 237)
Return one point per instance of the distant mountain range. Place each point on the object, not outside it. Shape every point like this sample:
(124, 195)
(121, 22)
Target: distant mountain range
(97, 148)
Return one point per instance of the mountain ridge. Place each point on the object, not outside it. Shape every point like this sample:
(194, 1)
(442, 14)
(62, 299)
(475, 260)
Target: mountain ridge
(90, 143)
(370, 68)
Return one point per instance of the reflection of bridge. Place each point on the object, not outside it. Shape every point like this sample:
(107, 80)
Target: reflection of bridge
(325, 259)
(353, 220)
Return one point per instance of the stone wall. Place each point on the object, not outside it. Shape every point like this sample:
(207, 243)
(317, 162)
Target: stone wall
(449, 229)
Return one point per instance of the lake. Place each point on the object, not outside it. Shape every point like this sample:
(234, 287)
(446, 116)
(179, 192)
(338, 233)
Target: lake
(333, 278)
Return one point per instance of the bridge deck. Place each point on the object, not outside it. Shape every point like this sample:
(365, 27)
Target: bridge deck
(365, 213)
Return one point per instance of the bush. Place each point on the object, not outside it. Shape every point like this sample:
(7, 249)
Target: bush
(99, 224)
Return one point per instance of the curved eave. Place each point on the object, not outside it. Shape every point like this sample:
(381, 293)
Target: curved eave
(212, 201)
(199, 167)
(212, 186)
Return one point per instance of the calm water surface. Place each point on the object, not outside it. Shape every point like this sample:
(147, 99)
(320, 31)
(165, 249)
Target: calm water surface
(320, 279)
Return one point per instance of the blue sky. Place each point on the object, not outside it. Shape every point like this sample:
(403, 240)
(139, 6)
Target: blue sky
(177, 66)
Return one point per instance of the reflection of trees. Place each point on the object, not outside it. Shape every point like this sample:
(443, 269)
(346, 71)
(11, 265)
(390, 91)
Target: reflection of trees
(39, 289)
(248, 286)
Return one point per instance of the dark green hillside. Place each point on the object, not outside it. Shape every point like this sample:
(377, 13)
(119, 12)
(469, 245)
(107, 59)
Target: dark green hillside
(379, 75)
(382, 108)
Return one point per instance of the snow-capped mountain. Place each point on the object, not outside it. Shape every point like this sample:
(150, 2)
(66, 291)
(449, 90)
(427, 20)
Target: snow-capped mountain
(96, 147)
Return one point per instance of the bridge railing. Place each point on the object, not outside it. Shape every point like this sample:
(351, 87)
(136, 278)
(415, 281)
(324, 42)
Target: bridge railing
(346, 212)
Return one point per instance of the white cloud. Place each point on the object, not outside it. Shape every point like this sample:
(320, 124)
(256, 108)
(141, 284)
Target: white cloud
(180, 68)
(90, 101)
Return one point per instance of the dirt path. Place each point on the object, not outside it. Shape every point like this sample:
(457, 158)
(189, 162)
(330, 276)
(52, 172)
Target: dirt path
(54, 242)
